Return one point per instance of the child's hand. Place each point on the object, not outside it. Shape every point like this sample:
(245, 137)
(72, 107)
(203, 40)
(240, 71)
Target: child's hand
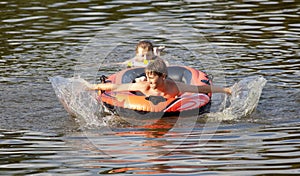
(228, 90)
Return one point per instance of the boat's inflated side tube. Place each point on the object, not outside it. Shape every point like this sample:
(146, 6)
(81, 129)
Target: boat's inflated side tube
(133, 103)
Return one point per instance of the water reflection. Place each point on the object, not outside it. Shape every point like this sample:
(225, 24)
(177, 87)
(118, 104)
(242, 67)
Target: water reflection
(233, 148)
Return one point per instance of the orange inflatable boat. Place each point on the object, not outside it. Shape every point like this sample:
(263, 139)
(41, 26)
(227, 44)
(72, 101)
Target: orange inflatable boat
(135, 104)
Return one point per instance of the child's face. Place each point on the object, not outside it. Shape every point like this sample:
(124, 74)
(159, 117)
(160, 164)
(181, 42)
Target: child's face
(156, 81)
(144, 54)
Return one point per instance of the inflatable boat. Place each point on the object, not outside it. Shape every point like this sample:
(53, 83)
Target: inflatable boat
(135, 104)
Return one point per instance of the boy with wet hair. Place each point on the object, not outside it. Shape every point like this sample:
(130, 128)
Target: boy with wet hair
(158, 67)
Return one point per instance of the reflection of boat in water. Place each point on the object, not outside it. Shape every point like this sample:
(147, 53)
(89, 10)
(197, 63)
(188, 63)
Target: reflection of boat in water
(130, 104)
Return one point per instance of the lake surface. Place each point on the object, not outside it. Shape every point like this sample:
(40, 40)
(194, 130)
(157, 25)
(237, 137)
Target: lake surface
(230, 40)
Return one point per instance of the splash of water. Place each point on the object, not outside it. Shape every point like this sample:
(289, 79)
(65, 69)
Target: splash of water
(78, 101)
(83, 104)
(244, 99)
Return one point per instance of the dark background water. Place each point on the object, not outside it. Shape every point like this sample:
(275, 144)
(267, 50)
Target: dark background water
(41, 39)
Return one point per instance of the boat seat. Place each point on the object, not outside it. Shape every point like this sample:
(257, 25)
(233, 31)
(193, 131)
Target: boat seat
(180, 74)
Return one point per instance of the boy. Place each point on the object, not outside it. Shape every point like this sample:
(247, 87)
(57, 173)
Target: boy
(145, 53)
(157, 84)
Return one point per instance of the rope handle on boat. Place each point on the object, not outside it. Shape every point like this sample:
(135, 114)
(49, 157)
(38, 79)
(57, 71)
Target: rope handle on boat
(207, 81)
(103, 79)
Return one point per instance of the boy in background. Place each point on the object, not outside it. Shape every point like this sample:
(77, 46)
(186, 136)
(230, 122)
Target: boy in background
(145, 53)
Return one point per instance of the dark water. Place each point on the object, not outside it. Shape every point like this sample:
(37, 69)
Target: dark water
(42, 39)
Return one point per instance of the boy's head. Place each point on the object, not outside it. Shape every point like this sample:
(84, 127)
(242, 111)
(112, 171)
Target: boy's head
(144, 44)
(157, 67)
(144, 50)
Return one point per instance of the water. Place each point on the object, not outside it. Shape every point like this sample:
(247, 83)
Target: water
(243, 100)
(40, 40)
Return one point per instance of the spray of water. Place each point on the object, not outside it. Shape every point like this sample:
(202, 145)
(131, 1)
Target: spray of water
(244, 99)
(78, 101)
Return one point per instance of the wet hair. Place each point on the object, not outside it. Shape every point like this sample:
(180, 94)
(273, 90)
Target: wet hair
(145, 44)
(158, 67)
